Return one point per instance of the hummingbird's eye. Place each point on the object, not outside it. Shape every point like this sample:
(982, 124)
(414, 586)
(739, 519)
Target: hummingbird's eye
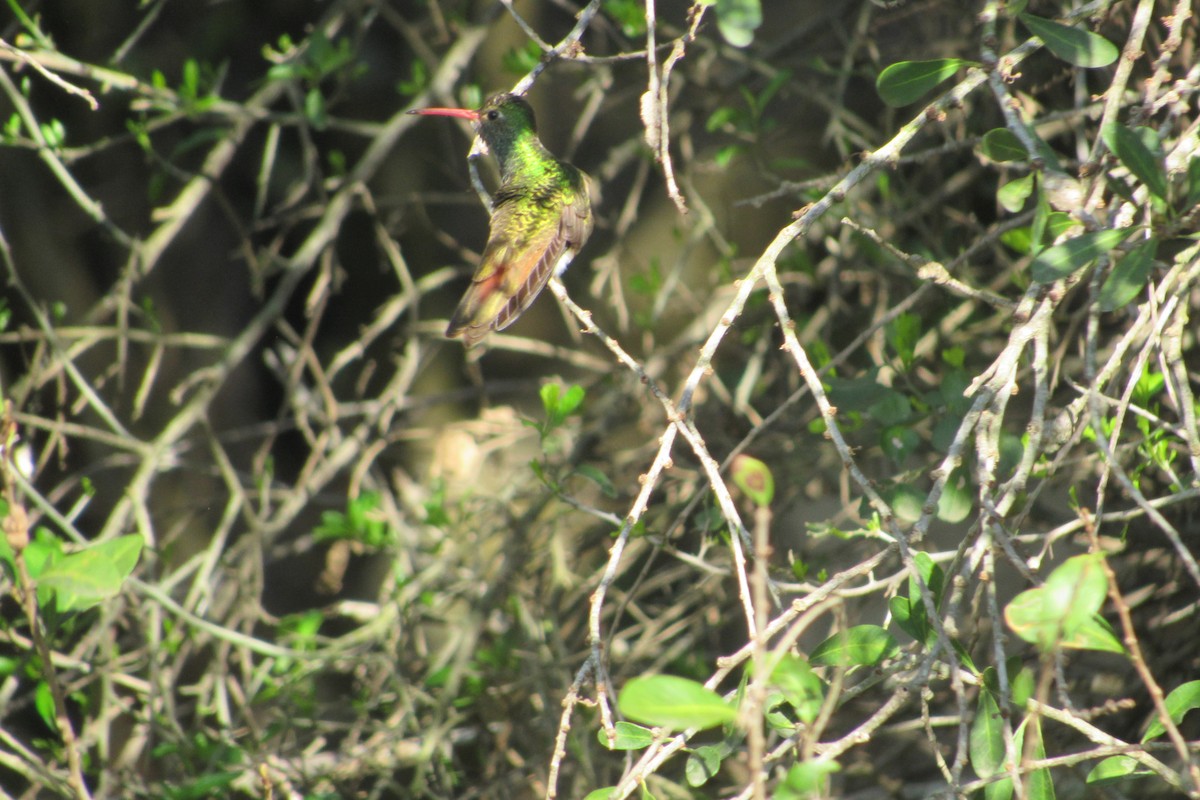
(493, 115)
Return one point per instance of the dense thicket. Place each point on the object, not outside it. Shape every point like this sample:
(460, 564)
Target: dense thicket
(870, 404)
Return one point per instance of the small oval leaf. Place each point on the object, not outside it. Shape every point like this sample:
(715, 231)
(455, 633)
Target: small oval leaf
(1073, 45)
(800, 686)
(1180, 701)
(629, 737)
(986, 741)
(1012, 195)
(864, 645)
(80, 581)
(1146, 165)
(1064, 611)
(737, 20)
(672, 702)
(1060, 260)
(907, 81)
(956, 501)
(1094, 633)
(1115, 768)
(806, 779)
(1193, 181)
(1002, 145)
(755, 480)
(1077, 589)
(1128, 277)
(705, 761)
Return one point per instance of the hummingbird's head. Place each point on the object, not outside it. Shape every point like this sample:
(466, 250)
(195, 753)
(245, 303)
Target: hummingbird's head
(506, 111)
(506, 124)
(501, 113)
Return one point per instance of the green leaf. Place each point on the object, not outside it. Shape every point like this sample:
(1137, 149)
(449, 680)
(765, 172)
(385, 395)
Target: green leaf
(1058, 223)
(932, 576)
(892, 409)
(1041, 221)
(806, 779)
(559, 405)
(572, 400)
(215, 783)
(909, 612)
(1063, 612)
(520, 59)
(1128, 277)
(43, 549)
(314, 109)
(673, 702)
(629, 737)
(54, 133)
(1060, 260)
(1095, 633)
(956, 501)
(596, 476)
(1002, 145)
(774, 716)
(737, 20)
(1019, 239)
(864, 645)
(1040, 785)
(907, 81)
(1131, 148)
(84, 579)
(1116, 768)
(724, 115)
(857, 394)
(906, 502)
(1078, 587)
(903, 333)
(899, 441)
(124, 551)
(754, 479)
(600, 794)
(964, 657)
(1026, 614)
(1179, 702)
(705, 761)
(910, 617)
(1012, 195)
(1073, 45)
(780, 79)
(800, 686)
(43, 702)
(1193, 181)
(550, 394)
(986, 740)
(1021, 685)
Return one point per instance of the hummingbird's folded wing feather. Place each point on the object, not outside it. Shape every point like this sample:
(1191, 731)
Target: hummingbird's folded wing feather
(522, 252)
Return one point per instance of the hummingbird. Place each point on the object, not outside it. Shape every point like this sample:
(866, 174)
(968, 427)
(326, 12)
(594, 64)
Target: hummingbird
(541, 216)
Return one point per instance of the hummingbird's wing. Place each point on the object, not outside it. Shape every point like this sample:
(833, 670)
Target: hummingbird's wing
(526, 243)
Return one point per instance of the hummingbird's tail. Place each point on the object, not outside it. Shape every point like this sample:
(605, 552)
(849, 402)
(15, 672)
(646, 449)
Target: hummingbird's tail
(495, 301)
(469, 320)
(490, 306)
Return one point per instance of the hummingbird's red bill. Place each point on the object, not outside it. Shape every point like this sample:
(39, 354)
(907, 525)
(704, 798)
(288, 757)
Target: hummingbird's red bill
(464, 113)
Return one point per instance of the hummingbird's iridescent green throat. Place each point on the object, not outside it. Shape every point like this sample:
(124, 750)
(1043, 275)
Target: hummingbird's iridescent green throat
(541, 216)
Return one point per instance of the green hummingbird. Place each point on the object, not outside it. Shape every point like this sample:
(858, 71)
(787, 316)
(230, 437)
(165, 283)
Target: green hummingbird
(541, 216)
